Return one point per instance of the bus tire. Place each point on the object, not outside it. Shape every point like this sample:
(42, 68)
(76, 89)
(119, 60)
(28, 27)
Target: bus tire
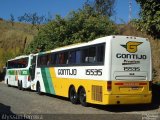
(22, 86)
(8, 84)
(82, 97)
(73, 95)
(38, 88)
(19, 87)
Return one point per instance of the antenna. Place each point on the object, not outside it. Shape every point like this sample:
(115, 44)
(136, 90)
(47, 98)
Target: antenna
(130, 10)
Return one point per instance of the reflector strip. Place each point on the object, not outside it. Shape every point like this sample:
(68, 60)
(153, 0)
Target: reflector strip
(118, 83)
(142, 83)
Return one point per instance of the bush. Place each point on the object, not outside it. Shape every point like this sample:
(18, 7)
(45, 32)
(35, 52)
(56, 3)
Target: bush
(81, 26)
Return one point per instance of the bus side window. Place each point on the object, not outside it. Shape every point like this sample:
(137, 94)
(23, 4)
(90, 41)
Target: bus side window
(10, 64)
(78, 57)
(66, 55)
(89, 55)
(63, 58)
(41, 60)
(49, 59)
(15, 65)
(53, 58)
(57, 58)
(100, 53)
(85, 55)
(72, 57)
(92, 55)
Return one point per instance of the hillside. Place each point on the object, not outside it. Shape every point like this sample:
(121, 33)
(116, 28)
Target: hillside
(14, 39)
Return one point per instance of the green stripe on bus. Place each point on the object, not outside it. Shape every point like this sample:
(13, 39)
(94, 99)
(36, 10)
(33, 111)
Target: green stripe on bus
(44, 77)
(11, 72)
(18, 72)
(52, 91)
(24, 72)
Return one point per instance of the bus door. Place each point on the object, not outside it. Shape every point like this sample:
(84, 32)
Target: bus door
(33, 67)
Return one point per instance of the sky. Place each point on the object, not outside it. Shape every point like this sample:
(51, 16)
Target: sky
(61, 7)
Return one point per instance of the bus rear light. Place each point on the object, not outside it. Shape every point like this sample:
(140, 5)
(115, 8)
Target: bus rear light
(142, 83)
(119, 84)
(109, 85)
(29, 78)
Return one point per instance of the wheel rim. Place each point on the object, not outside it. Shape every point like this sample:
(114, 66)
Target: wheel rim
(82, 96)
(72, 95)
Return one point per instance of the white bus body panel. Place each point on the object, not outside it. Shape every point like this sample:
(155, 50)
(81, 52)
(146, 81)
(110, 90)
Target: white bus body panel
(131, 64)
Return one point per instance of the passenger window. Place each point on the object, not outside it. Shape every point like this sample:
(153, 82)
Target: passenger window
(74, 57)
(53, 58)
(49, 59)
(44, 60)
(78, 57)
(89, 55)
(100, 53)
(63, 58)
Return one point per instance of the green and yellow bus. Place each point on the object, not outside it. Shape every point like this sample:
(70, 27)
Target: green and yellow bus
(18, 72)
(108, 70)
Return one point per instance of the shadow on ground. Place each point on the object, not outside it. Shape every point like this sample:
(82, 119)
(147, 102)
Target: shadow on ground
(7, 114)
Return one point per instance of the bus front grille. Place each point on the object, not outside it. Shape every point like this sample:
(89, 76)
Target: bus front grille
(97, 93)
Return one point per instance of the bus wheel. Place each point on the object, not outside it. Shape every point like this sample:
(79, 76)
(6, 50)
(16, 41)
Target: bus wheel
(38, 89)
(7, 83)
(82, 97)
(19, 87)
(73, 95)
(22, 86)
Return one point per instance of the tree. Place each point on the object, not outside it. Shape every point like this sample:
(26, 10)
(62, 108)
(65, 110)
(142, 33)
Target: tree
(32, 18)
(49, 18)
(1, 19)
(77, 27)
(12, 19)
(103, 7)
(150, 17)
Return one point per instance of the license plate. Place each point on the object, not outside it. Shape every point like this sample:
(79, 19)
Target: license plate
(135, 88)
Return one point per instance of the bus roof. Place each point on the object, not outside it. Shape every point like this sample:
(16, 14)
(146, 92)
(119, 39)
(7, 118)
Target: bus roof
(96, 41)
(19, 57)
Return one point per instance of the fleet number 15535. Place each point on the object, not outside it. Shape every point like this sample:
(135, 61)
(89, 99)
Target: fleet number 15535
(94, 72)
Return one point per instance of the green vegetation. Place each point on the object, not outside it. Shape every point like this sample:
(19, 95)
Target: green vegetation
(14, 39)
(102, 7)
(81, 26)
(149, 17)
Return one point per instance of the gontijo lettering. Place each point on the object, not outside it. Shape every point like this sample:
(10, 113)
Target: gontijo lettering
(131, 56)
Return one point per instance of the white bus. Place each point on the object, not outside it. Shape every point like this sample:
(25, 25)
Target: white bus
(17, 72)
(108, 70)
